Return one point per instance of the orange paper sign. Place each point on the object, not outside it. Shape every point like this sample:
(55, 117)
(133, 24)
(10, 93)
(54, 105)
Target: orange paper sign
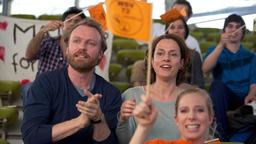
(130, 18)
(98, 14)
(183, 12)
(171, 15)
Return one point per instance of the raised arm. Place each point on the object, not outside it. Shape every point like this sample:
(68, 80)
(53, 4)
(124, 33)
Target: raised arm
(34, 44)
(212, 58)
(145, 114)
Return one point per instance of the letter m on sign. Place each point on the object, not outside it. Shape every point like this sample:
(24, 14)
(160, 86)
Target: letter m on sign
(18, 28)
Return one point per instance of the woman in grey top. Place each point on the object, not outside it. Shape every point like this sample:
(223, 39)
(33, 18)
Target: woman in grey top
(168, 62)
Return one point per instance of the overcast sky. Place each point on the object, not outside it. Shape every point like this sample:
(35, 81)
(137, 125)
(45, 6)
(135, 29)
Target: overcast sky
(38, 7)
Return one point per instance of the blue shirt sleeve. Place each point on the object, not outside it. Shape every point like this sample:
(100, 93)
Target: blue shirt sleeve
(209, 50)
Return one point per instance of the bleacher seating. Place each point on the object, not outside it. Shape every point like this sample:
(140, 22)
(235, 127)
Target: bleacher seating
(129, 56)
(8, 117)
(204, 45)
(214, 37)
(128, 71)
(250, 38)
(122, 86)
(248, 45)
(9, 91)
(119, 44)
(125, 53)
(3, 141)
(114, 71)
(197, 34)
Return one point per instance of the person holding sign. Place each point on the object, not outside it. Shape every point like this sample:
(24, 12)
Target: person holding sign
(169, 54)
(181, 5)
(194, 73)
(50, 51)
(234, 72)
(74, 105)
(193, 115)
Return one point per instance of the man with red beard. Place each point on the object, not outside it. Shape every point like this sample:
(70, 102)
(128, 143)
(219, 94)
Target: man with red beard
(73, 104)
(48, 50)
(234, 72)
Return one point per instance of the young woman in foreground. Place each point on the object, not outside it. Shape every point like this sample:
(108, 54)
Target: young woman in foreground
(193, 115)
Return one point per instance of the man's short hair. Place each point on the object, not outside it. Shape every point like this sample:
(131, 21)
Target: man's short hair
(72, 10)
(235, 18)
(90, 23)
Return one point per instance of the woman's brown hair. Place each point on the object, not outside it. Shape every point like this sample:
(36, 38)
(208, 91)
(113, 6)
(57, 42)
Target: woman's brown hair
(183, 51)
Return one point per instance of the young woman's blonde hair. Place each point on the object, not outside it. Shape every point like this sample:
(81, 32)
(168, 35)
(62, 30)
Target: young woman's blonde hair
(209, 104)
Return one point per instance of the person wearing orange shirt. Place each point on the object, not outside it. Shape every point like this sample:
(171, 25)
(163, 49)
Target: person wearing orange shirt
(193, 115)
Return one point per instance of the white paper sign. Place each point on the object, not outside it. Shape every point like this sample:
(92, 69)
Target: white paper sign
(14, 37)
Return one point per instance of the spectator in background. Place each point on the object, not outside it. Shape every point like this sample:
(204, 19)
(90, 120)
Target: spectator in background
(194, 74)
(193, 115)
(168, 61)
(138, 73)
(191, 42)
(234, 72)
(50, 51)
(60, 107)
